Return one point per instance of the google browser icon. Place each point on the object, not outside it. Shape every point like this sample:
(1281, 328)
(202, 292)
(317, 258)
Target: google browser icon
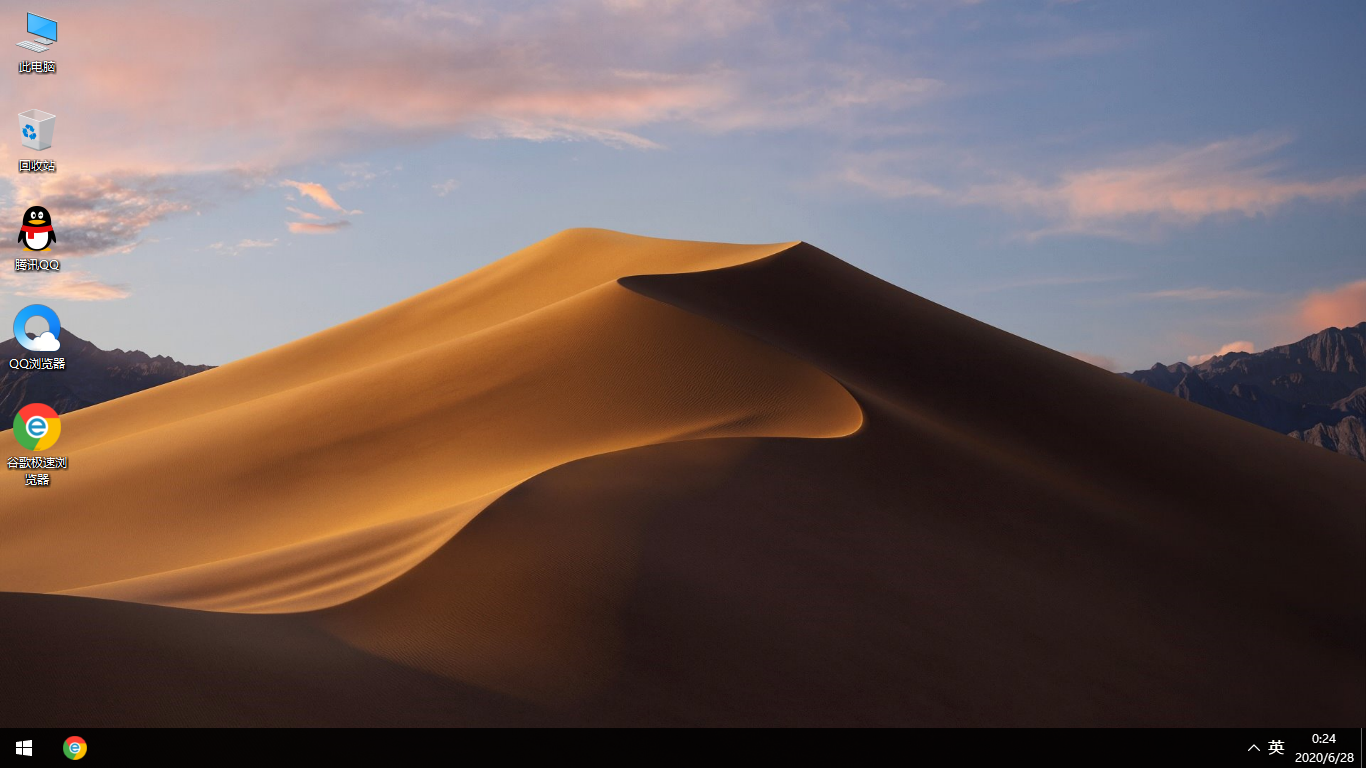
(37, 427)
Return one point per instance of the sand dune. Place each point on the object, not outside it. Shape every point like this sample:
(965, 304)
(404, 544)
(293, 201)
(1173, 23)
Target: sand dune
(581, 487)
(319, 485)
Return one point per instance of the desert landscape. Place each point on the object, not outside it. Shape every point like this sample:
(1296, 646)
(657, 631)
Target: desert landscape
(618, 480)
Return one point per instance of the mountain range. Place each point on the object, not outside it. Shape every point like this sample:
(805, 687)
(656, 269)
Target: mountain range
(1313, 390)
(91, 375)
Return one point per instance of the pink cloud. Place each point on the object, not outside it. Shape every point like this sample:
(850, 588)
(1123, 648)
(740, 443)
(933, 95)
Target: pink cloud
(318, 194)
(360, 75)
(1340, 307)
(1287, 319)
(1220, 178)
(388, 73)
(107, 213)
(1233, 346)
(303, 214)
(355, 76)
(1160, 187)
(307, 228)
(72, 285)
(892, 185)
(1200, 294)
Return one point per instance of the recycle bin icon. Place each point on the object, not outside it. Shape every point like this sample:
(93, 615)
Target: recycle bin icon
(36, 127)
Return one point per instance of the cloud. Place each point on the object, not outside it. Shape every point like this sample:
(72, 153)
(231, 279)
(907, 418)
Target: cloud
(358, 175)
(1233, 346)
(1179, 187)
(1199, 294)
(1051, 281)
(392, 73)
(446, 187)
(318, 194)
(401, 72)
(304, 214)
(1100, 361)
(68, 285)
(1157, 188)
(312, 224)
(556, 130)
(1339, 307)
(843, 99)
(1193, 184)
(891, 184)
(95, 215)
(306, 228)
(45, 342)
(716, 17)
(407, 72)
(242, 245)
(1286, 318)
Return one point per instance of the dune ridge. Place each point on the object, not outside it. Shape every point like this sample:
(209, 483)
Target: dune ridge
(509, 371)
(299, 576)
(668, 546)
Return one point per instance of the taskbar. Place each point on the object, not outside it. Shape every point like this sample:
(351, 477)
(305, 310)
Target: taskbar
(350, 743)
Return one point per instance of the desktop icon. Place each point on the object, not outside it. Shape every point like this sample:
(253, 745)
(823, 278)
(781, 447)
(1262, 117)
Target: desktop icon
(45, 30)
(35, 232)
(36, 128)
(37, 427)
(46, 341)
(74, 749)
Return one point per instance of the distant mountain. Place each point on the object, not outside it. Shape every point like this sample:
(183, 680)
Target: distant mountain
(92, 375)
(1313, 390)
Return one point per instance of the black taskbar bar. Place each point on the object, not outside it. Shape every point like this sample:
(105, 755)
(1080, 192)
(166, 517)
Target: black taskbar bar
(975, 746)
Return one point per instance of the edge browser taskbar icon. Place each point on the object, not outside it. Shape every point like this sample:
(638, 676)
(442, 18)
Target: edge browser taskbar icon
(43, 342)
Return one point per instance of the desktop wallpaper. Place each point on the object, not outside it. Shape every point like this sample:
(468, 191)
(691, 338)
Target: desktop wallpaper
(712, 363)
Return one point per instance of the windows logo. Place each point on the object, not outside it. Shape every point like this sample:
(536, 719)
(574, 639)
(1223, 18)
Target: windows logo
(24, 748)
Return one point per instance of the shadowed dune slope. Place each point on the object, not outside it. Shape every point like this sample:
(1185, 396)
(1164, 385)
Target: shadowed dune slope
(1009, 537)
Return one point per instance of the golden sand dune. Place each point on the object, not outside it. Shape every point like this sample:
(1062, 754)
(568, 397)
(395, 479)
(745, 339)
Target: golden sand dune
(579, 488)
(244, 490)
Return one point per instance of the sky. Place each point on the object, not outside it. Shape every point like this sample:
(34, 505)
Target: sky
(1125, 182)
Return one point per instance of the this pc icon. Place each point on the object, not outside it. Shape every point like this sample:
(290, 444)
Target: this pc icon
(44, 30)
